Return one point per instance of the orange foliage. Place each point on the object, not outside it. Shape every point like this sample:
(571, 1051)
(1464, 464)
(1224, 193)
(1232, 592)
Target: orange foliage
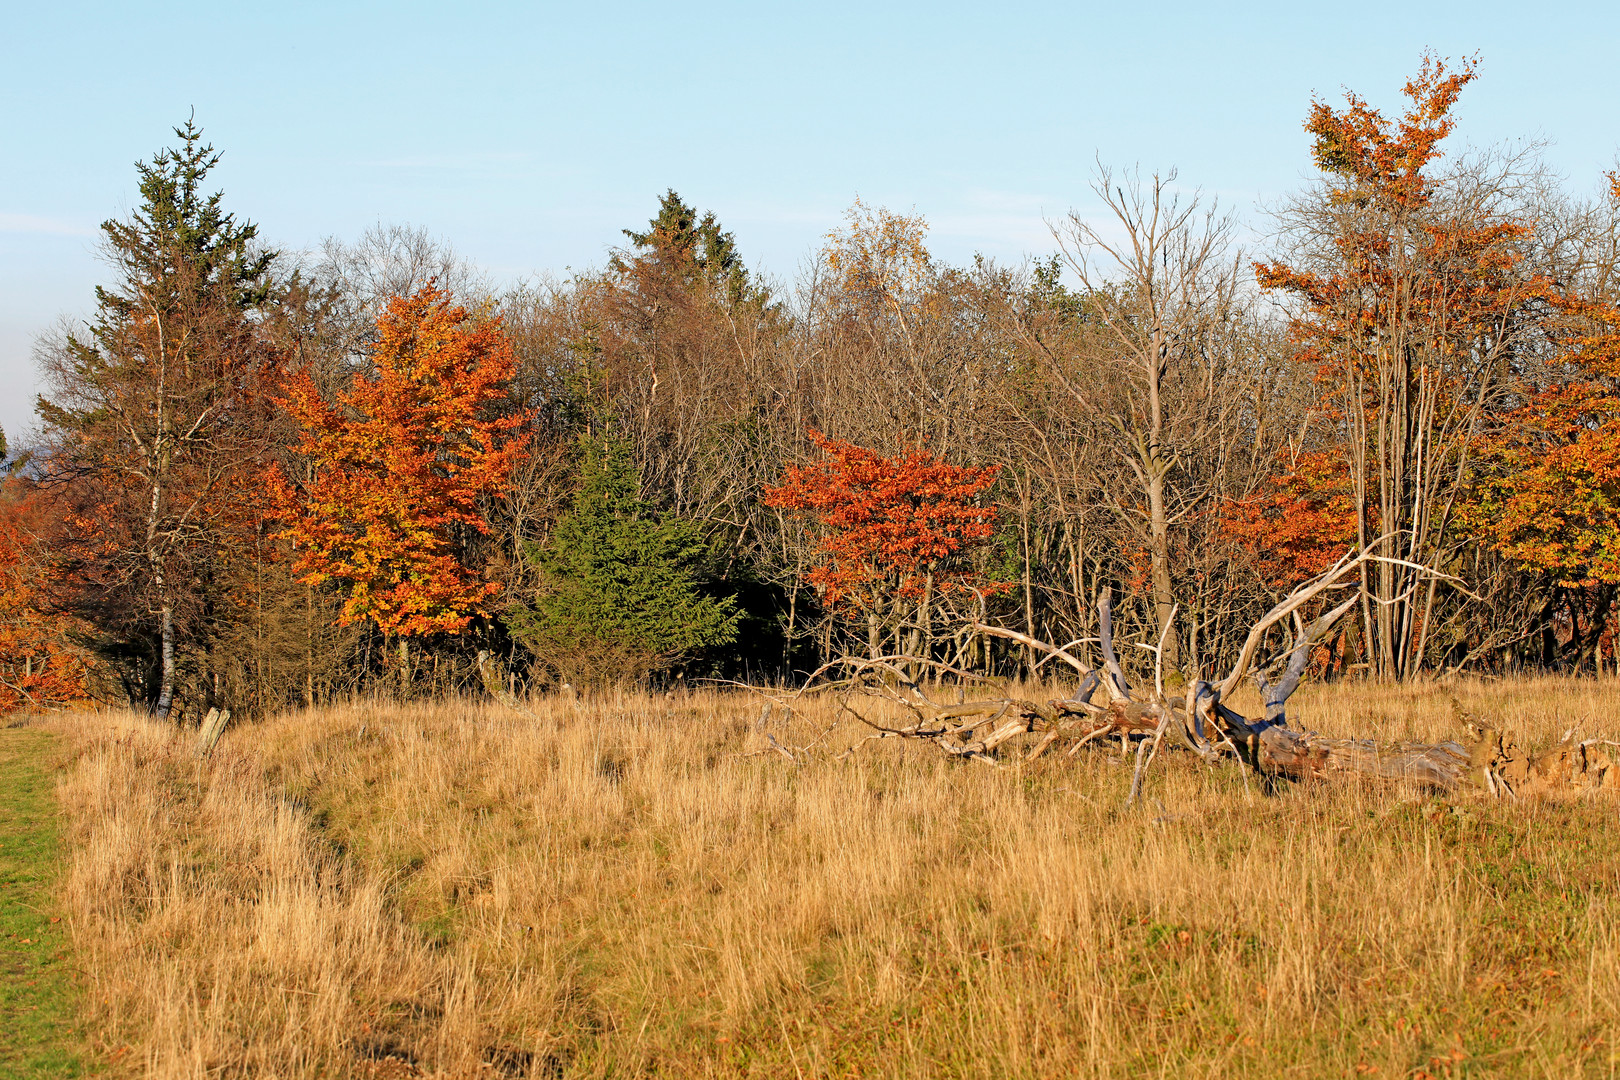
(1455, 278)
(1550, 498)
(38, 668)
(1384, 166)
(399, 463)
(894, 526)
(880, 256)
(1300, 523)
(1404, 326)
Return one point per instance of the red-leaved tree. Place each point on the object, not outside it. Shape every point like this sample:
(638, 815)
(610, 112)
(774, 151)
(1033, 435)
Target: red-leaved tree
(397, 466)
(39, 667)
(1300, 521)
(896, 533)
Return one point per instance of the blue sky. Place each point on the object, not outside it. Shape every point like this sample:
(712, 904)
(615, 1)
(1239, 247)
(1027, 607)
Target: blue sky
(529, 134)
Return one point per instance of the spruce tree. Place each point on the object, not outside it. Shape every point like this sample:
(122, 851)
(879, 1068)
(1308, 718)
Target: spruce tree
(158, 415)
(619, 598)
(696, 248)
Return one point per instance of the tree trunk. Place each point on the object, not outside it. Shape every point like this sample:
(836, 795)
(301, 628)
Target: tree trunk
(1155, 468)
(787, 639)
(1028, 556)
(1163, 600)
(404, 666)
(165, 701)
(309, 647)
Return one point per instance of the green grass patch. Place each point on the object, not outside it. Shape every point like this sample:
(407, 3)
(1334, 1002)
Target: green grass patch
(39, 1034)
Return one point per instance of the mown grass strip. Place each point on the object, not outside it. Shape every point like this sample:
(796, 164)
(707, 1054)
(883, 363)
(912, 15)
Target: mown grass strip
(39, 1036)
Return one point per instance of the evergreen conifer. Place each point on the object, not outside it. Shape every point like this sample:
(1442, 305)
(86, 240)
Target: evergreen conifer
(619, 598)
(161, 413)
(696, 249)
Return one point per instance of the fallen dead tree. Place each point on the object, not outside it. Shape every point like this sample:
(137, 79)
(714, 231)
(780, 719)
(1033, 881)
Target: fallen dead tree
(968, 729)
(1503, 768)
(1106, 706)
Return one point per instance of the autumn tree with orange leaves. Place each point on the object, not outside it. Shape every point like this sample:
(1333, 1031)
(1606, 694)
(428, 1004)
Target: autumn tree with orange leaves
(397, 466)
(896, 533)
(1548, 493)
(40, 669)
(1300, 521)
(1412, 294)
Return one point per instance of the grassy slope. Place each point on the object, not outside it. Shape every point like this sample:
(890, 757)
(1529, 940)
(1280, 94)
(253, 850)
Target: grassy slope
(37, 993)
(625, 889)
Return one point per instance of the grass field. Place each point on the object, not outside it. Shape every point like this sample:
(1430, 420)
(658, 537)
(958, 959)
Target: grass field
(38, 1006)
(625, 887)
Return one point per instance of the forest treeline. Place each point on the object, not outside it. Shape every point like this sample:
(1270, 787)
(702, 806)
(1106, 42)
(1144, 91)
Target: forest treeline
(264, 479)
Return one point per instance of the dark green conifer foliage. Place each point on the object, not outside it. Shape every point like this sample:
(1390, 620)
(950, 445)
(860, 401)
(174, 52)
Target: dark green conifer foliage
(178, 252)
(619, 598)
(699, 249)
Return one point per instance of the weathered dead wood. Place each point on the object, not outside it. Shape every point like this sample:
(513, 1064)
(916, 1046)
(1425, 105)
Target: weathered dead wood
(494, 680)
(1105, 635)
(954, 739)
(1078, 718)
(1276, 697)
(213, 726)
(796, 753)
(1142, 749)
(1275, 750)
(955, 727)
(1502, 767)
(1333, 577)
(1089, 677)
(977, 730)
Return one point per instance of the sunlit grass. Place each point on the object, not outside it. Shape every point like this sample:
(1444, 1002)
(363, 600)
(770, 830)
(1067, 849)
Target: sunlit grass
(38, 998)
(623, 887)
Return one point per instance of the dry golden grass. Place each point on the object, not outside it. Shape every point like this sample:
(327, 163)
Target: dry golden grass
(619, 888)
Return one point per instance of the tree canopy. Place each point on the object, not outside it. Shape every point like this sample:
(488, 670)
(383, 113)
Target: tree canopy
(256, 469)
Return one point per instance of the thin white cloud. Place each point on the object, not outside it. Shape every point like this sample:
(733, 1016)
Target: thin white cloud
(41, 226)
(451, 161)
(1011, 202)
